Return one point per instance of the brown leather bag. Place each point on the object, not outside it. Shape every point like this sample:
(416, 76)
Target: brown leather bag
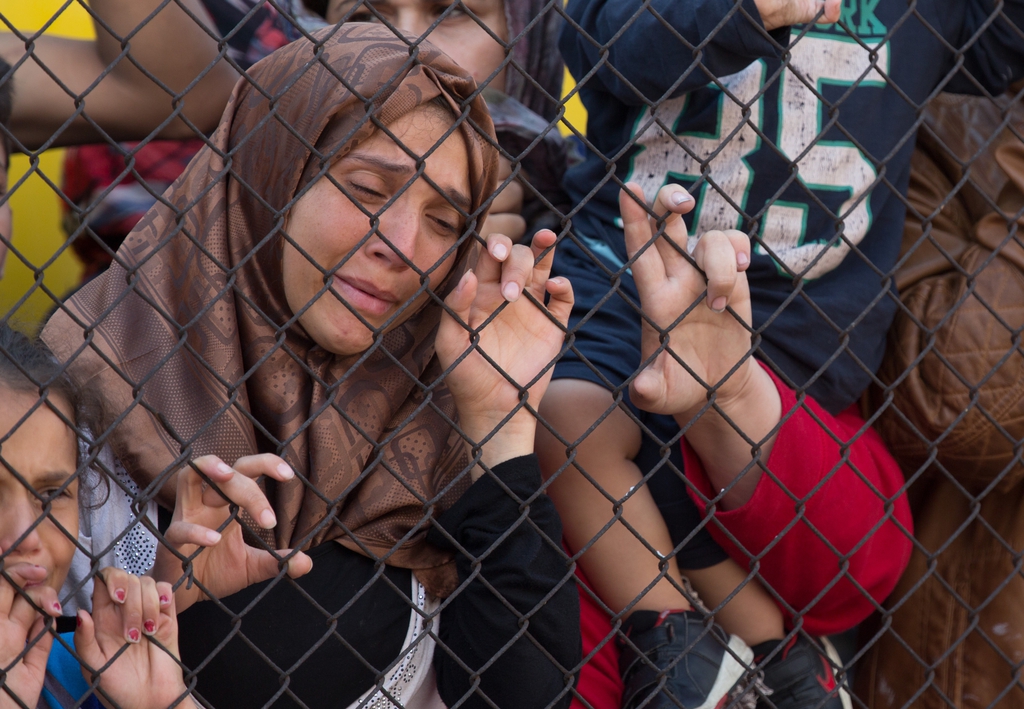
(953, 414)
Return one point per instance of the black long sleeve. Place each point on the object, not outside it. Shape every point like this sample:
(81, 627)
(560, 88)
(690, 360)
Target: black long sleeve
(511, 632)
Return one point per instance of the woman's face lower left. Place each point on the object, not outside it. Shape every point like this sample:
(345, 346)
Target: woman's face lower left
(374, 275)
(39, 511)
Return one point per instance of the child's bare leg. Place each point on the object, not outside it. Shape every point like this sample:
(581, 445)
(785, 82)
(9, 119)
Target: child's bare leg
(618, 565)
(750, 614)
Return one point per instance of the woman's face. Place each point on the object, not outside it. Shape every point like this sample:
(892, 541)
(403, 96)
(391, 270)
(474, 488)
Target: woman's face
(44, 452)
(459, 35)
(381, 272)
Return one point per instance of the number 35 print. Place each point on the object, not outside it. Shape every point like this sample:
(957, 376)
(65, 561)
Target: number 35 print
(709, 140)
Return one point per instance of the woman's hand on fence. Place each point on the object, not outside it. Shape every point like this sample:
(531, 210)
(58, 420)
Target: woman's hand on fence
(783, 13)
(130, 642)
(205, 530)
(519, 340)
(21, 624)
(703, 320)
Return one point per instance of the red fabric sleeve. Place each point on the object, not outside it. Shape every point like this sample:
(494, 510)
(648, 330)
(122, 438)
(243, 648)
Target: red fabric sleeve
(831, 499)
(599, 684)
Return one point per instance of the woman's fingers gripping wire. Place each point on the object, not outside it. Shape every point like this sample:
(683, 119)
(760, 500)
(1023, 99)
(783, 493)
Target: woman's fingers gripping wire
(237, 484)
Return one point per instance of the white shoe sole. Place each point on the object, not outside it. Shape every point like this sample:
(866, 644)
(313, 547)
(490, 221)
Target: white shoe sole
(732, 671)
(833, 655)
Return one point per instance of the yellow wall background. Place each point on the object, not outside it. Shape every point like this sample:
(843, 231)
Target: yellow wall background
(37, 231)
(38, 235)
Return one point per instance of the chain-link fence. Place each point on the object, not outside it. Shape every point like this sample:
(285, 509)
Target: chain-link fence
(388, 383)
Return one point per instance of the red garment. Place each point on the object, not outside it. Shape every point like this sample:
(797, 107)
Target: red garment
(111, 187)
(860, 509)
(599, 681)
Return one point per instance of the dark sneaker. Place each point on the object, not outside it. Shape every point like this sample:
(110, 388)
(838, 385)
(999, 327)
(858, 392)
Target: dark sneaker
(677, 659)
(802, 675)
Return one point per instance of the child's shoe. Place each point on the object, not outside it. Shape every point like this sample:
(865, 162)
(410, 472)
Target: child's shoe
(802, 675)
(676, 659)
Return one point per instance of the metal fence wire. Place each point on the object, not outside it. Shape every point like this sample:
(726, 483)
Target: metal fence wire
(794, 402)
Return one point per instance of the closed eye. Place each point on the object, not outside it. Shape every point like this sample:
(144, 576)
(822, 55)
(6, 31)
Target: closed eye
(363, 16)
(447, 226)
(368, 191)
(54, 492)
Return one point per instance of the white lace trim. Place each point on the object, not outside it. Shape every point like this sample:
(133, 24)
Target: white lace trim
(135, 551)
(410, 683)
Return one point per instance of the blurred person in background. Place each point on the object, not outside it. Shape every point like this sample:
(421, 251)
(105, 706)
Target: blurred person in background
(108, 187)
(523, 92)
(122, 97)
(951, 410)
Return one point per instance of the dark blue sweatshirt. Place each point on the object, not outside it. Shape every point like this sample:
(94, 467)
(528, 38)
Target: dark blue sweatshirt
(810, 160)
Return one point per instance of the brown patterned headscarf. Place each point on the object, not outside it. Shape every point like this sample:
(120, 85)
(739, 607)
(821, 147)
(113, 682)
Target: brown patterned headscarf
(189, 334)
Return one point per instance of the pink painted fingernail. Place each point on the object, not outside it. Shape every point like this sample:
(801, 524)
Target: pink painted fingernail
(719, 303)
(150, 626)
(133, 635)
(164, 600)
(119, 595)
(56, 607)
(78, 620)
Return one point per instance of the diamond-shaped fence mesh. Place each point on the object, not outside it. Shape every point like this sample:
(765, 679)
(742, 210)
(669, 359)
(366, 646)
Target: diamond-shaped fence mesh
(392, 379)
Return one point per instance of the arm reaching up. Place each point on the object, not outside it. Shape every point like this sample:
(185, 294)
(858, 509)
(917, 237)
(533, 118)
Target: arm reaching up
(615, 37)
(705, 318)
(170, 48)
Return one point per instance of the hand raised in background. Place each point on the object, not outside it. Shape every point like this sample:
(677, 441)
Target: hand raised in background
(782, 13)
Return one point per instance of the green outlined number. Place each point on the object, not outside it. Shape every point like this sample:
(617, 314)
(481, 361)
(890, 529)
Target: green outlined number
(835, 166)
